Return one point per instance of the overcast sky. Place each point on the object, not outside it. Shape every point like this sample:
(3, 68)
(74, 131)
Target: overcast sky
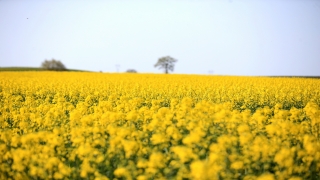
(225, 37)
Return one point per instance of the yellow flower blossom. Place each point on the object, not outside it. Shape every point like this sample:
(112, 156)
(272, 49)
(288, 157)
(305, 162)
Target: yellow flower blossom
(266, 177)
(198, 170)
(156, 160)
(122, 172)
(185, 154)
(159, 138)
(237, 165)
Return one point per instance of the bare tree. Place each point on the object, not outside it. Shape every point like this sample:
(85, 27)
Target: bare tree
(53, 65)
(166, 63)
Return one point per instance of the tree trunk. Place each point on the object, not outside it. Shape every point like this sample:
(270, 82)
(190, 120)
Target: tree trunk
(166, 69)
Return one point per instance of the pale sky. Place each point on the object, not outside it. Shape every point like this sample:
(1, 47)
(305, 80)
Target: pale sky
(224, 37)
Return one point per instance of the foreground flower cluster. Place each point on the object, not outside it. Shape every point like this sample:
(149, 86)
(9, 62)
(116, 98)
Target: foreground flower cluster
(143, 126)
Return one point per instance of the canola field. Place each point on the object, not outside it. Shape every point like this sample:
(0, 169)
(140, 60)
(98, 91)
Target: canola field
(73, 125)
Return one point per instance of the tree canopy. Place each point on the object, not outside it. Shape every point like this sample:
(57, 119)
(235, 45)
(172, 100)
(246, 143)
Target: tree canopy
(167, 63)
(53, 65)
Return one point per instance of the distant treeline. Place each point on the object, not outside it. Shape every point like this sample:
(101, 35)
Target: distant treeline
(41, 69)
(32, 69)
(317, 77)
